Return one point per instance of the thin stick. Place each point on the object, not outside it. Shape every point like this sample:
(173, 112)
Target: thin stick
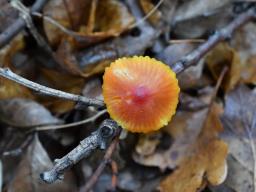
(98, 139)
(114, 175)
(88, 120)
(101, 167)
(18, 25)
(7, 73)
(151, 12)
(177, 41)
(222, 35)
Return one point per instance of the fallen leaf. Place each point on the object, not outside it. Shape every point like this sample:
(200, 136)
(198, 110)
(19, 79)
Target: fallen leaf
(248, 73)
(238, 179)
(239, 120)
(34, 162)
(243, 42)
(25, 113)
(8, 15)
(194, 8)
(8, 51)
(93, 89)
(184, 130)
(147, 143)
(10, 89)
(93, 60)
(147, 7)
(192, 76)
(221, 56)
(69, 14)
(110, 18)
(194, 19)
(55, 80)
(66, 58)
(204, 163)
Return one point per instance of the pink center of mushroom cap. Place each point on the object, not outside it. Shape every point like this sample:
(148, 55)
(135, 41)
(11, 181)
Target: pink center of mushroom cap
(140, 94)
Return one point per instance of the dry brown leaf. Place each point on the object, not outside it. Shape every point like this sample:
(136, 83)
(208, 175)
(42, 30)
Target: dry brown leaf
(7, 52)
(194, 19)
(244, 43)
(184, 130)
(8, 15)
(221, 56)
(147, 143)
(66, 58)
(10, 89)
(104, 19)
(34, 162)
(192, 76)
(69, 13)
(64, 82)
(147, 7)
(25, 113)
(248, 73)
(207, 163)
(239, 120)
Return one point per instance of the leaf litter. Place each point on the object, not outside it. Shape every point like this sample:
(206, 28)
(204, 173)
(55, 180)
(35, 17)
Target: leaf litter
(196, 151)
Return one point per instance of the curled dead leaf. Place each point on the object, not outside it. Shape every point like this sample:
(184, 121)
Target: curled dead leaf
(207, 162)
(25, 113)
(221, 56)
(35, 161)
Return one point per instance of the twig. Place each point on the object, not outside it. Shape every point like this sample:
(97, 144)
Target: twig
(54, 127)
(18, 151)
(222, 35)
(98, 139)
(7, 73)
(114, 175)
(101, 167)
(151, 12)
(18, 25)
(177, 41)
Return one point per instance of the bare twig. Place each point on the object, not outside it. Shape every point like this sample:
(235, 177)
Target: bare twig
(222, 35)
(114, 175)
(18, 25)
(177, 41)
(7, 73)
(88, 120)
(101, 167)
(98, 139)
(19, 150)
(150, 13)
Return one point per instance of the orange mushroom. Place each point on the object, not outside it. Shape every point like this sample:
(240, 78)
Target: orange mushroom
(140, 93)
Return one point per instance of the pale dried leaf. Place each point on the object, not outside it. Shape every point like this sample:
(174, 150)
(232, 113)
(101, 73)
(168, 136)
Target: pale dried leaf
(206, 162)
(25, 113)
(34, 162)
(239, 120)
(221, 56)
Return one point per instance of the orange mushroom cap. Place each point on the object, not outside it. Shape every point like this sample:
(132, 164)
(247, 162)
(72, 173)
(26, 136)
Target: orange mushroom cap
(140, 93)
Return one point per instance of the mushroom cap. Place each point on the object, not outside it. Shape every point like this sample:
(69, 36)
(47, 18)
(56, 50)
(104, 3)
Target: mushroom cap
(140, 93)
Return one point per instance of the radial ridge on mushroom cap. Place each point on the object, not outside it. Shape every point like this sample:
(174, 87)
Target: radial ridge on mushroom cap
(140, 93)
